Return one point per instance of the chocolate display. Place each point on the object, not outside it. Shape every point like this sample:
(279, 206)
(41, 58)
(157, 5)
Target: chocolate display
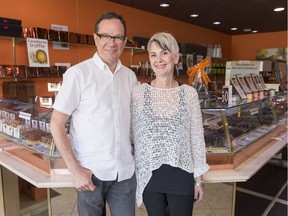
(245, 128)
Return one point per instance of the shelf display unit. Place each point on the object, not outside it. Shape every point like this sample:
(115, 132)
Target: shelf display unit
(19, 69)
(231, 130)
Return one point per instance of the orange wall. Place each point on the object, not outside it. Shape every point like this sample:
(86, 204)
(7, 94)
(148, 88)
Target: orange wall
(244, 47)
(80, 17)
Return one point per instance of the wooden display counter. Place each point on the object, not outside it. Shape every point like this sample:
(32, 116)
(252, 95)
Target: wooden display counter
(230, 161)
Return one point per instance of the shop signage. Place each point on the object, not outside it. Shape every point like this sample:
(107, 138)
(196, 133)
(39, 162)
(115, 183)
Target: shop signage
(243, 68)
(38, 54)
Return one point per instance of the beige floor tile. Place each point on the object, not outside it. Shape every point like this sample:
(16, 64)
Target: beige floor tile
(65, 203)
(222, 212)
(214, 189)
(201, 205)
(220, 202)
(203, 212)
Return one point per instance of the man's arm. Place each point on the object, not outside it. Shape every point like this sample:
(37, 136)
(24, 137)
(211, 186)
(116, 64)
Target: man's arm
(81, 176)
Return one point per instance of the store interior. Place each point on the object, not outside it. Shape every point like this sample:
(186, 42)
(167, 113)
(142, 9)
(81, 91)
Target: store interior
(262, 192)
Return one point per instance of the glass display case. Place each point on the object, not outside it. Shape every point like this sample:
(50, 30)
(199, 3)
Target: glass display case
(231, 132)
(25, 133)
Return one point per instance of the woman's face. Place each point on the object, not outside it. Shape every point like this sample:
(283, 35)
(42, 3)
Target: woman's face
(162, 61)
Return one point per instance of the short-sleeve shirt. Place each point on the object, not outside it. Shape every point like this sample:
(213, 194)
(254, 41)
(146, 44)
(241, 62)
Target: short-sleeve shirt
(99, 104)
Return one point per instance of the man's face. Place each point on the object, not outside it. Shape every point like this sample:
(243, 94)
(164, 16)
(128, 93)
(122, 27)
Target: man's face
(109, 49)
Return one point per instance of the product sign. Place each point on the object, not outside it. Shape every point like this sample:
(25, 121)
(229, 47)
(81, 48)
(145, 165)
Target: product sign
(38, 54)
(61, 45)
(243, 68)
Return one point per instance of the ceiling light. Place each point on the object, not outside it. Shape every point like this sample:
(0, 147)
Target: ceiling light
(234, 29)
(247, 30)
(217, 23)
(194, 15)
(164, 5)
(279, 9)
(254, 31)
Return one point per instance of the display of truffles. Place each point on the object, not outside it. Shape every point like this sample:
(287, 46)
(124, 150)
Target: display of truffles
(243, 128)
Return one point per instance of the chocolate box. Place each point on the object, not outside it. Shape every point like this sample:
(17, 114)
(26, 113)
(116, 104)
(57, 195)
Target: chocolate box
(53, 35)
(10, 21)
(90, 40)
(41, 33)
(7, 71)
(73, 37)
(20, 71)
(10, 30)
(63, 36)
(32, 72)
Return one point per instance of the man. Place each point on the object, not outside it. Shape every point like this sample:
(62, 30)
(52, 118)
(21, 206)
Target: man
(96, 95)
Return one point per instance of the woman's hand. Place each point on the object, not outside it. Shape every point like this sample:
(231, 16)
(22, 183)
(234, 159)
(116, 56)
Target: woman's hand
(198, 193)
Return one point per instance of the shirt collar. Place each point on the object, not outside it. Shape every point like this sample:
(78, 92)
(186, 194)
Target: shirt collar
(102, 65)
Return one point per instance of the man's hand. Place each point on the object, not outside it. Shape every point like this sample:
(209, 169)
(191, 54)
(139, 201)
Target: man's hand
(82, 179)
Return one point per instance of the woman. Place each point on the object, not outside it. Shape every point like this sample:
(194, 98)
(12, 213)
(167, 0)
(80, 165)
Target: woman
(167, 133)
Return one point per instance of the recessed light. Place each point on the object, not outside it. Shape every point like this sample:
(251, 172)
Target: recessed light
(247, 30)
(164, 5)
(194, 15)
(234, 29)
(254, 31)
(279, 9)
(217, 23)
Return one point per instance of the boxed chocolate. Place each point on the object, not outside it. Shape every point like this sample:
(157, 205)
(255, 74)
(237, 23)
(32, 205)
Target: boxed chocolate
(32, 72)
(10, 30)
(10, 21)
(90, 39)
(53, 35)
(73, 37)
(28, 33)
(61, 70)
(43, 71)
(81, 38)
(20, 71)
(25, 91)
(63, 36)
(53, 72)
(9, 90)
(41, 33)
(7, 71)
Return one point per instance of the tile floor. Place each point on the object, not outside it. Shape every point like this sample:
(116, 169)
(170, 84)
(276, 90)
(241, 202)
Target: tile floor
(216, 202)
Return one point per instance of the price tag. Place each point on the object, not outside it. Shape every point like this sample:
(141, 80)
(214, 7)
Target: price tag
(226, 94)
(34, 124)
(24, 115)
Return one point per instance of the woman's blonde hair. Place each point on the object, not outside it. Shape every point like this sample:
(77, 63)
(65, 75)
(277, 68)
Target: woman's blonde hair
(165, 41)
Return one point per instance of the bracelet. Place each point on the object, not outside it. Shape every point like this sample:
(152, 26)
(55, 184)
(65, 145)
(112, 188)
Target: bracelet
(198, 183)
